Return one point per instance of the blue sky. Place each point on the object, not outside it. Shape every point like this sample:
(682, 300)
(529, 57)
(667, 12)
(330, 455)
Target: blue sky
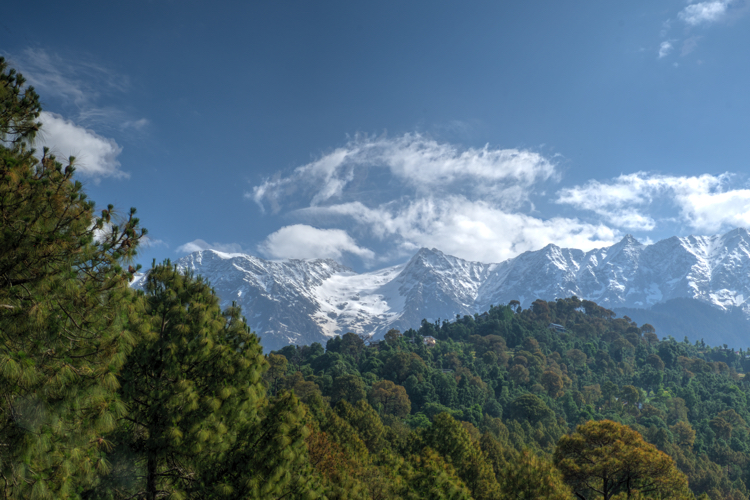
(363, 131)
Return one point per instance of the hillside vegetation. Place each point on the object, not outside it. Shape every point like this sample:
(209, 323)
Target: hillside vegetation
(517, 385)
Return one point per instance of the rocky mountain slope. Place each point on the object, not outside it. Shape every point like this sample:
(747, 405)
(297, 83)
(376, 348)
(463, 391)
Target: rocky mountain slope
(305, 301)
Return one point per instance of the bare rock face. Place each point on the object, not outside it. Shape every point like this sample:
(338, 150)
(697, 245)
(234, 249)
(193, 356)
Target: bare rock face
(305, 301)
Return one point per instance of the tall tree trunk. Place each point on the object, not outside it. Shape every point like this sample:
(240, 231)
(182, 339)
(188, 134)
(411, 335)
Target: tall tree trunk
(151, 478)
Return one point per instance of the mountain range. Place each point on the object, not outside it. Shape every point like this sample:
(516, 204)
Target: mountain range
(305, 301)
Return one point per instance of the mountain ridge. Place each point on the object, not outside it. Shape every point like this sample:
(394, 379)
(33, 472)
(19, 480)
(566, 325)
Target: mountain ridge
(305, 301)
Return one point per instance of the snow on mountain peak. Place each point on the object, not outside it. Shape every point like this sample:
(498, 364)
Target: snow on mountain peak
(305, 301)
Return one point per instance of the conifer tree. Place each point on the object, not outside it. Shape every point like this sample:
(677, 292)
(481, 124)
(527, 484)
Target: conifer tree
(449, 438)
(199, 424)
(269, 460)
(364, 419)
(64, 299)
(19, 108)
(435, 479)
(526, 476)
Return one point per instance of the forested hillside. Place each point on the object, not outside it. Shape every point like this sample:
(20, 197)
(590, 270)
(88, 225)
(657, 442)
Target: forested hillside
(111, 393)
(514, 383)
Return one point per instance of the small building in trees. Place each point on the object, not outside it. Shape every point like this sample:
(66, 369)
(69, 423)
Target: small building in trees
(429, 341)
(556, 327)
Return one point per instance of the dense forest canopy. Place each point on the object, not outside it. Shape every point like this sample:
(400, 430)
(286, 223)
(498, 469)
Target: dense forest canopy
(526, 378)
(110, 393)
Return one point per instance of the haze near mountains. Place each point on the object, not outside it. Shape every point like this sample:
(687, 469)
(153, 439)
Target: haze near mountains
(305, 301)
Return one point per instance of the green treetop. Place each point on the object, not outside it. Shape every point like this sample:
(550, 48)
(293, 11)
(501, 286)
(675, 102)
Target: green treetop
(198, 423)
(64, 299)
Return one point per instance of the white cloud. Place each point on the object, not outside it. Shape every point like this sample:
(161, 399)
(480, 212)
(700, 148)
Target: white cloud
(96, 156)
(415, 161)
(697, 14)
(77, 85)
(412, 191)
(199, 245)
(473, 203)
(704, 12)
(474, 230)
(706, 203)
(629, 189)
(300, 241)
(664, 49)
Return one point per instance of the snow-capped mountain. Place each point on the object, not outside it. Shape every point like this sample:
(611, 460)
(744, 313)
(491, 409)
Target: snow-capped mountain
(305, 301)
(712, 269)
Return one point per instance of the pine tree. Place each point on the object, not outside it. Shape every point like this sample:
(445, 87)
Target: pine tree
(449, 438)
(269, 460)
(435, 479)
(198, 423)
(526, 476)
(64, 301)
(19, 108)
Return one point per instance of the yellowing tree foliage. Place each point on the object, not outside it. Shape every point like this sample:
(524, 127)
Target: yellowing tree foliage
(602, 459)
